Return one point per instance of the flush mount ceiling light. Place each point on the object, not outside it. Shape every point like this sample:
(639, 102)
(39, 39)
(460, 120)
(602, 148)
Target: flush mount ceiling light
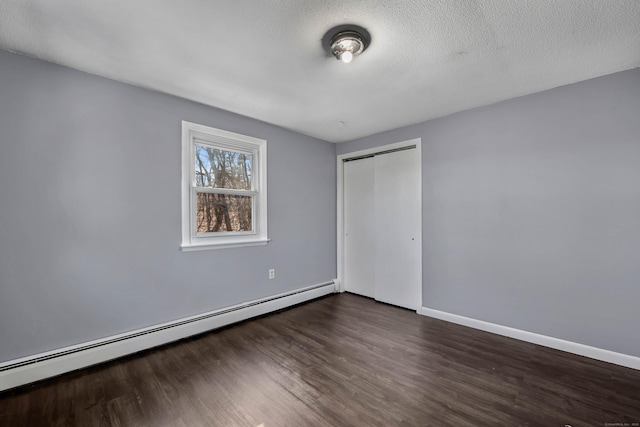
(347, 44)
(346, 41)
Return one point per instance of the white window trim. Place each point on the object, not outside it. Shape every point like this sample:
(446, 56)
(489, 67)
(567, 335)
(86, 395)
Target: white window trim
(192, 132)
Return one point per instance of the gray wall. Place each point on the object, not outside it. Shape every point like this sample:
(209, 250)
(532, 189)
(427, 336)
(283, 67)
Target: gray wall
(90, 211)
(531, 211)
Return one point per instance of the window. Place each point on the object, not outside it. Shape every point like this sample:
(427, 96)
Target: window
(224, 189)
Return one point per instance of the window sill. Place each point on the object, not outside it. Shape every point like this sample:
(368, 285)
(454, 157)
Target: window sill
(185, 247)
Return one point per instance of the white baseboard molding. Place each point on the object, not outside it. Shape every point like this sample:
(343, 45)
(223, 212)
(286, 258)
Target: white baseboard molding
(18, 372)
(543, 340)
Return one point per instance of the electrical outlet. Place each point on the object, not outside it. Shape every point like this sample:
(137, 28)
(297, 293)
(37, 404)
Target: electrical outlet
(272, 273)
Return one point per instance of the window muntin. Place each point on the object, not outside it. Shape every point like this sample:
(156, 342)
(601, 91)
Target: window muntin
(224, 188)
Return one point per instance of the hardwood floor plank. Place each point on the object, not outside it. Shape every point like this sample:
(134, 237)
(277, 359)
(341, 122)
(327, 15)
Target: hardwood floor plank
(342, 360)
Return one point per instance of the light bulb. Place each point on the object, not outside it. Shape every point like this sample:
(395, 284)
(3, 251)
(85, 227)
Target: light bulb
(346, 56)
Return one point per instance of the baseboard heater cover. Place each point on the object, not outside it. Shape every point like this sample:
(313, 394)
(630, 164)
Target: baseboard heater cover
(18, 372)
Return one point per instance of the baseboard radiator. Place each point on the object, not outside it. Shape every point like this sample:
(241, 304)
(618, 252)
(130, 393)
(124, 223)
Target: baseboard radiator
(19, 372)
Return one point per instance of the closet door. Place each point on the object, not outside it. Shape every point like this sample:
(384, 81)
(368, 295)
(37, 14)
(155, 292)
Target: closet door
(359, 227)
(398, 241)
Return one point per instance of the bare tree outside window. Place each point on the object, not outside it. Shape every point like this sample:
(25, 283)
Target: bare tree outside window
(220, 211)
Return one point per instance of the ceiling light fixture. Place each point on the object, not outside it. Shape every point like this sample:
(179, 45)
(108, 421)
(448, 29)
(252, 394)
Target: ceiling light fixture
(347, 44)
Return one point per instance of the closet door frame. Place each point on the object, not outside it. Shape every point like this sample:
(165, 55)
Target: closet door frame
(340, 200)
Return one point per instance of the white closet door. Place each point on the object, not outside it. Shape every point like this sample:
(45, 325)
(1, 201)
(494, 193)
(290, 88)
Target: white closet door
(359, 227)
(398, 248)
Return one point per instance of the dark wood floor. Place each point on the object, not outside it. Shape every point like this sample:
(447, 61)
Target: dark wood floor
(342, 360)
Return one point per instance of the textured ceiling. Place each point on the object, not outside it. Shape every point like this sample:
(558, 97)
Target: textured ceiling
(264, 59)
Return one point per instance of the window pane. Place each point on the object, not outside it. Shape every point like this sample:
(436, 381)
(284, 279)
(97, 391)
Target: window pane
(223, 212)
(217, 168)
